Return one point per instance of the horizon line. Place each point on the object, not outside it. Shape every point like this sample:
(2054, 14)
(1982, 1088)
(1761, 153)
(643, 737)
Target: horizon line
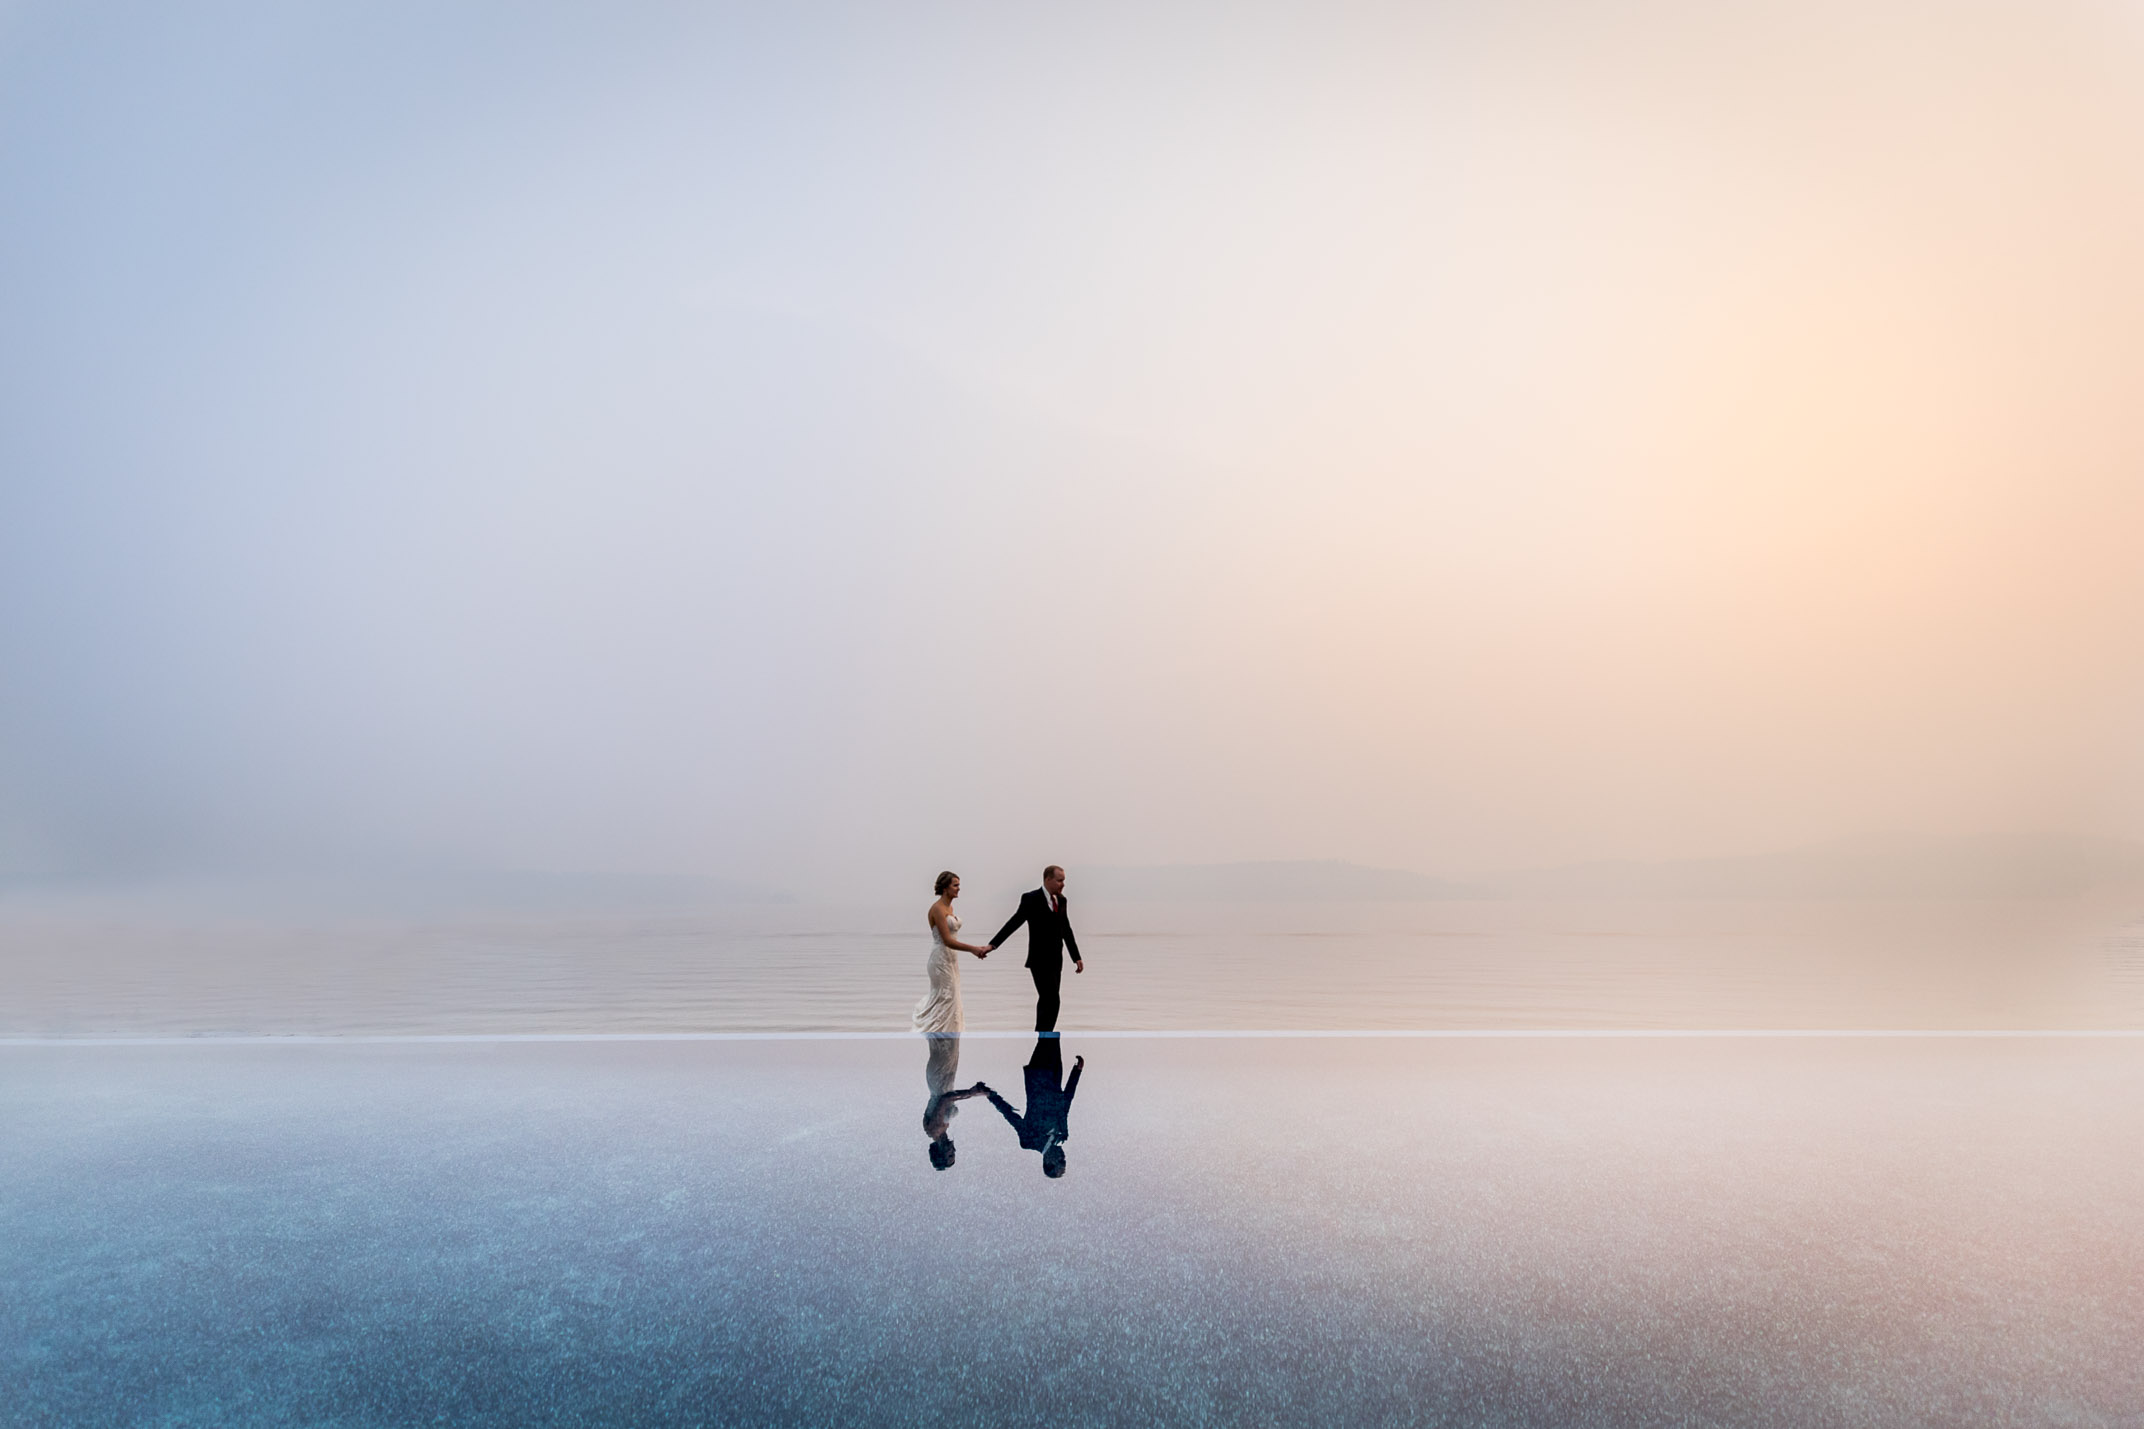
(1421, 1033)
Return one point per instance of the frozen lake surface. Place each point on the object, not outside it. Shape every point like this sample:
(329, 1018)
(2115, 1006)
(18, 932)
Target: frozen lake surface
(1308, 1230)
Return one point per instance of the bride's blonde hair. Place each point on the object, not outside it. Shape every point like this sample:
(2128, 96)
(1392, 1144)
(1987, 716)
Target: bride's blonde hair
(945, 881)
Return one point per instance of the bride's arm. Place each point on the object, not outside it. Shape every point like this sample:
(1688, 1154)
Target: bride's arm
(938, 922)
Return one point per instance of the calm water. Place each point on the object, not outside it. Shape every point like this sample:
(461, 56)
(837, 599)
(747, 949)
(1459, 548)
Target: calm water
(75, 972)
(1247, 1231)
(1257, 1229)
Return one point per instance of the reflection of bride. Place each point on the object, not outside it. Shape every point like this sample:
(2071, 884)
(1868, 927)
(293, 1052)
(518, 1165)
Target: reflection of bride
(938, 1014)
(939, 1068)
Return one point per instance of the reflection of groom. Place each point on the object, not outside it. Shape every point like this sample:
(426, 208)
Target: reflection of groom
(1049, 933)
(1049, 1107)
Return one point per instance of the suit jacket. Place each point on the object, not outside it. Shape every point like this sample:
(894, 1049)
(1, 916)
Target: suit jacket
(1049, 1106)
(1048, 934)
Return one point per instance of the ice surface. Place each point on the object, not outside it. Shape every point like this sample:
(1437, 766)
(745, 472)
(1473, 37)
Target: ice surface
(1249, 1231)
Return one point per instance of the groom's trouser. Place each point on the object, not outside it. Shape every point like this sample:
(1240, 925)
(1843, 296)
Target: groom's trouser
(1047, 976)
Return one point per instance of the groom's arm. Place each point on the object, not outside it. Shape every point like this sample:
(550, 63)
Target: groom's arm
(1018, 917)
(1004, 1108)
(1070, 941)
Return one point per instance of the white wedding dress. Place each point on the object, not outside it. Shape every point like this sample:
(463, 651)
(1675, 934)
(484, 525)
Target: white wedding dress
(938, 1014)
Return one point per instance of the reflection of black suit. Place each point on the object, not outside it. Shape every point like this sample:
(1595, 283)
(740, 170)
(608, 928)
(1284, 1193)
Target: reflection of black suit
(1048, 935)
(1049, 1108)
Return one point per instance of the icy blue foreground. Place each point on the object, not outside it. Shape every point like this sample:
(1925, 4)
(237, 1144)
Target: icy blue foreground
(1406, 1232)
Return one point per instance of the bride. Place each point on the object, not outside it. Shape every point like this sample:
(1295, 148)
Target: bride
(938, 1014)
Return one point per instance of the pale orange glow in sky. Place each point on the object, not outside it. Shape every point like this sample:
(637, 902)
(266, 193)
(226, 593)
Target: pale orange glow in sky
(1444, 438)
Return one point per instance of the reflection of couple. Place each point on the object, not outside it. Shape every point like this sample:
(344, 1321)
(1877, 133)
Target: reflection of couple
(1049, 935)
(1045, 1127)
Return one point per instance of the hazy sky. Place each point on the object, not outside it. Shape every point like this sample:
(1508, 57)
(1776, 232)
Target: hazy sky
(828, 443)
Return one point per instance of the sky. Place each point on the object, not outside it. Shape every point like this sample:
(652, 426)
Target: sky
(822, 444)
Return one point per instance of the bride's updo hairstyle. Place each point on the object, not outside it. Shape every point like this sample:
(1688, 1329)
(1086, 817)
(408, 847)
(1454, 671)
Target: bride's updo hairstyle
(945, 881)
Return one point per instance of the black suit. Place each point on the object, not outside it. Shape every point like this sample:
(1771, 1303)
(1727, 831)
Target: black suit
(1049, 1106)
(1049, 934)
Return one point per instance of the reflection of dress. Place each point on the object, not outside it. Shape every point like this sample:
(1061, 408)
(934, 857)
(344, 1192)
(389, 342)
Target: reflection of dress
(940, 1065)
(938, 1014)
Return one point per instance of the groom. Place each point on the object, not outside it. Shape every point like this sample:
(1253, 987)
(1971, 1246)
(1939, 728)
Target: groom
(1049, 933)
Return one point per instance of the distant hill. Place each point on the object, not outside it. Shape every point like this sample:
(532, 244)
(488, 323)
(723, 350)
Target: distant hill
(1316, 882)
(2021, 866)
(538, 891)
(394, 894)
(2009, 866)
